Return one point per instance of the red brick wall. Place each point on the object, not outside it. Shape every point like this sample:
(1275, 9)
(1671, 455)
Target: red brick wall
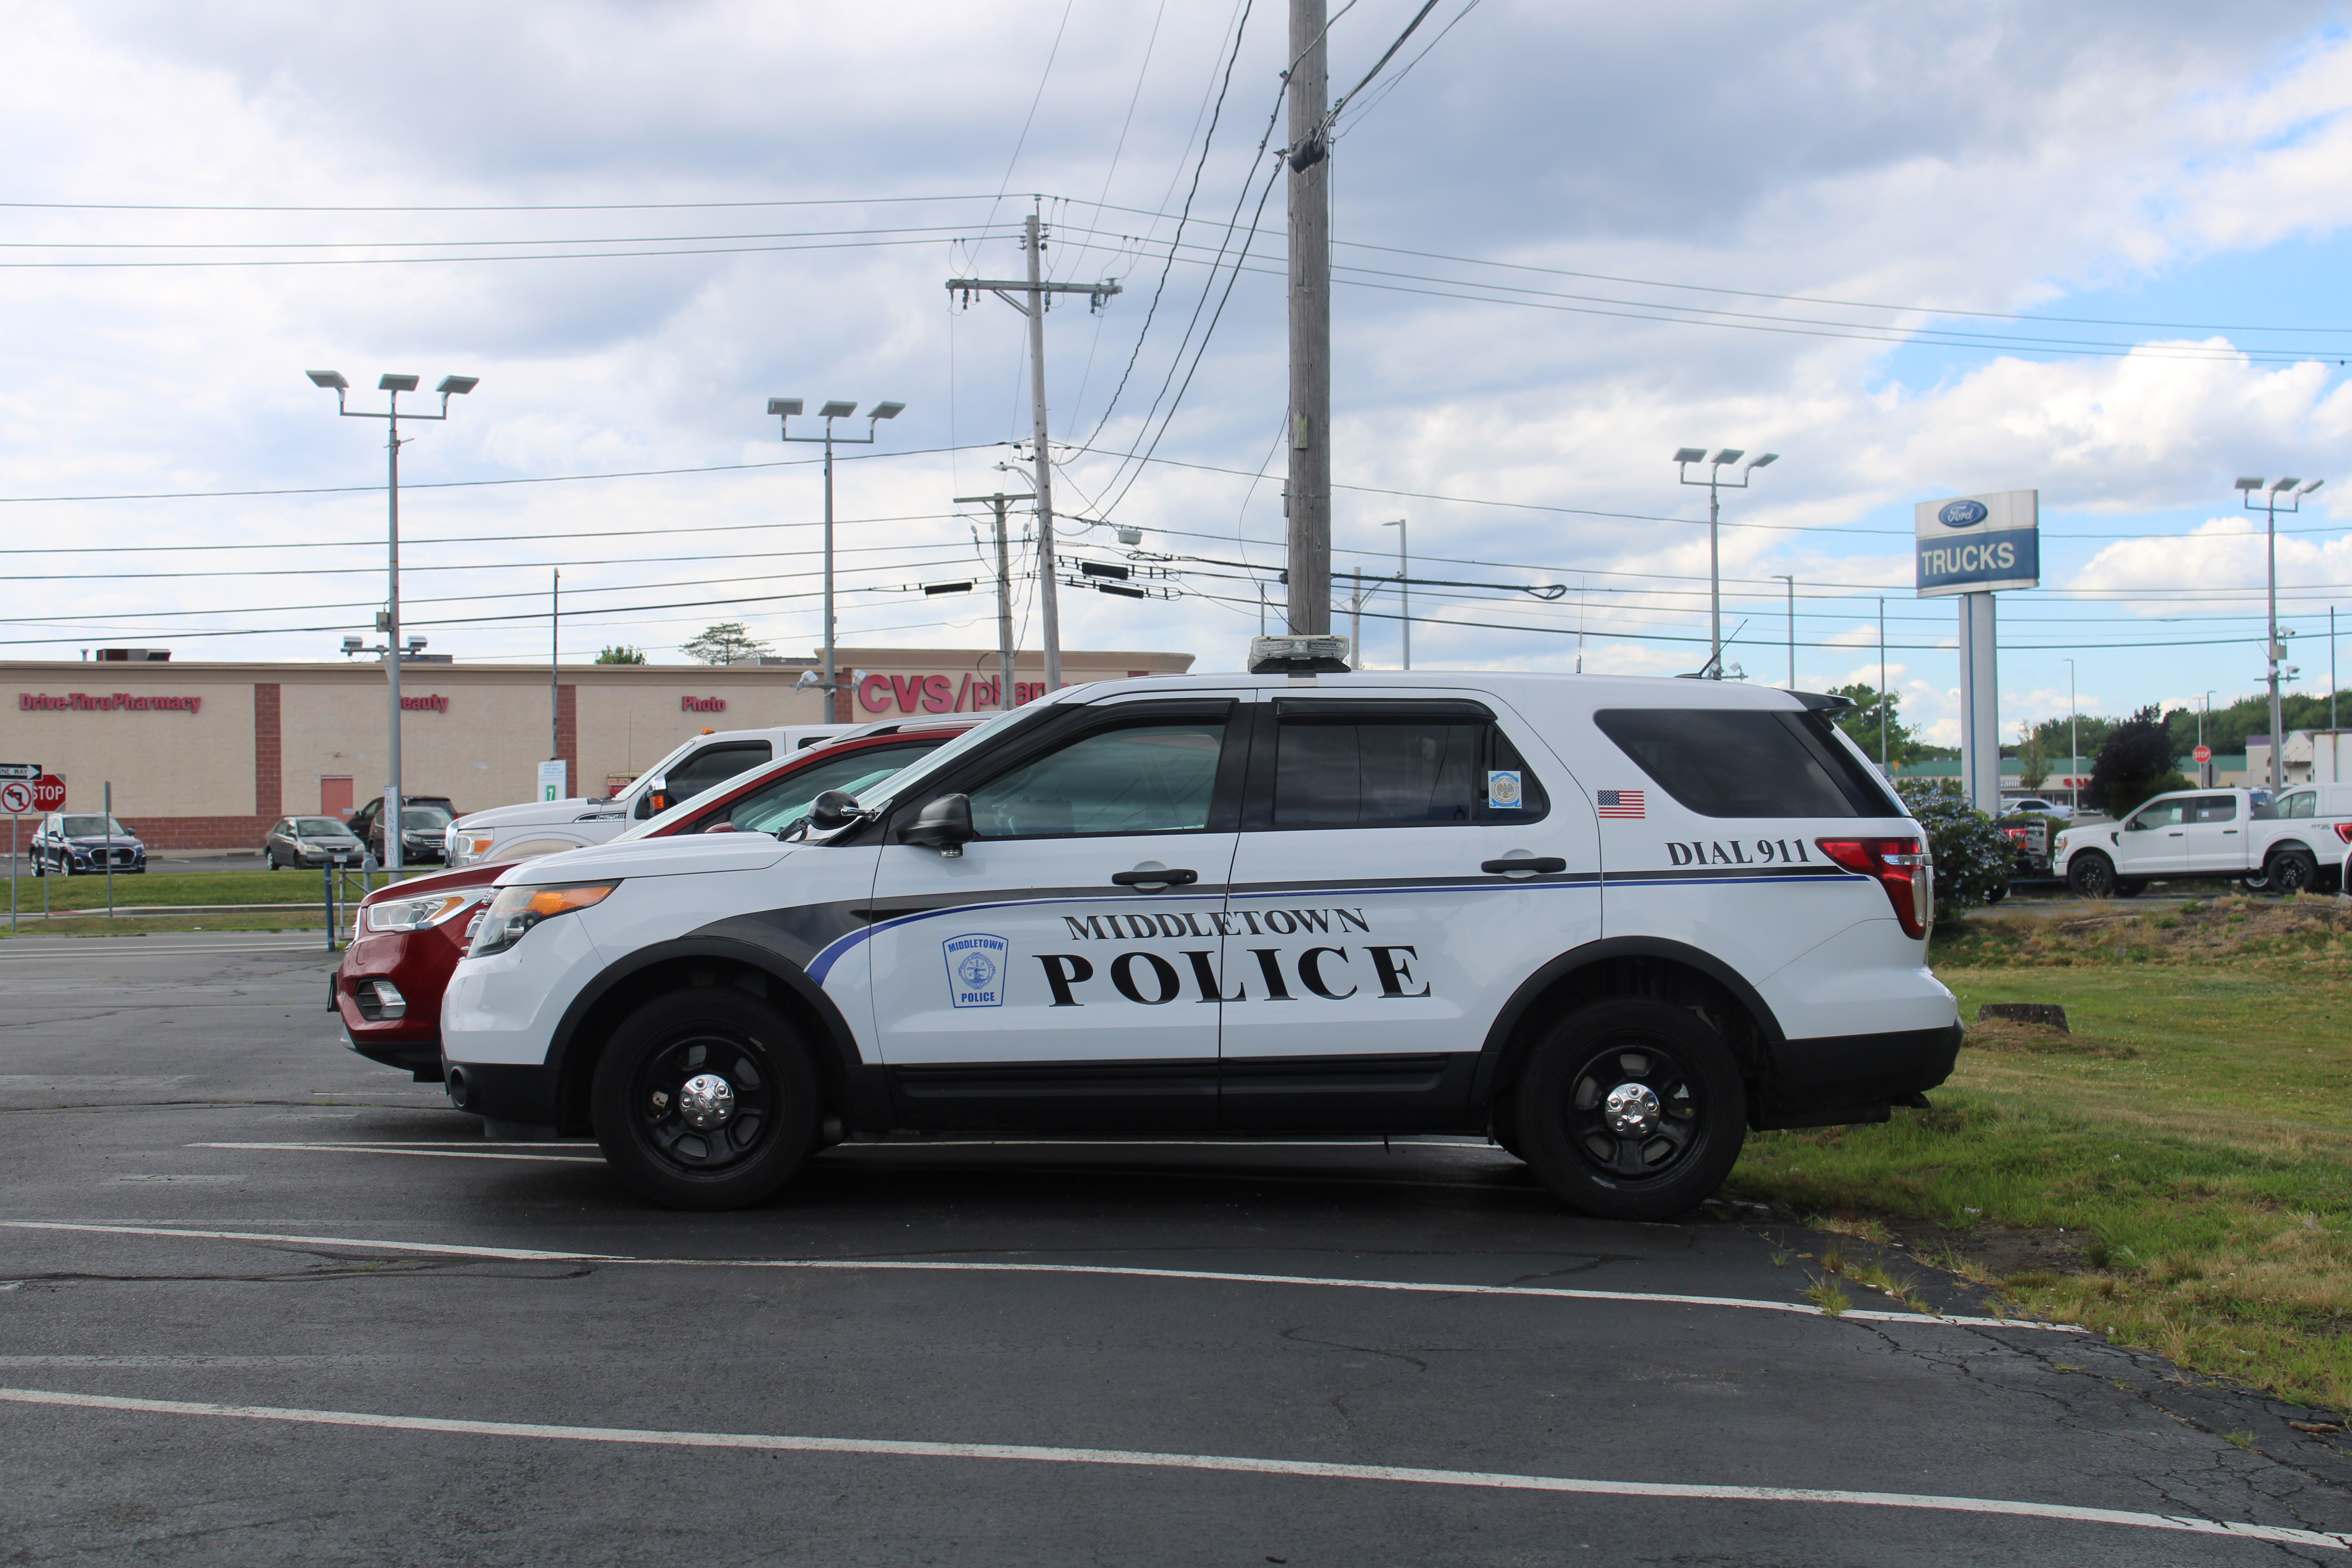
(200, 832)
(268, 753)
(567, 737)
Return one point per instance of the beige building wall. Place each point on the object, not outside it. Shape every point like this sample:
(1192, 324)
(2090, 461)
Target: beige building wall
(207, 756)
(175, 761)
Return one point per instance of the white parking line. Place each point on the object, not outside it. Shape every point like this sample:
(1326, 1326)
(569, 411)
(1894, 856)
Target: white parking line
(925, 1265)
(444, 1154)
(1491, 1480)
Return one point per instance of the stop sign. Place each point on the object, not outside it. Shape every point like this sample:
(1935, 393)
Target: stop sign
(2203, 754)
(48, 793)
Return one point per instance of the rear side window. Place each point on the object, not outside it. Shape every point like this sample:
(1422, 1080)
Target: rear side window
(1336, 770)
(2303, 803)
(2224, 807)
(1744, 762)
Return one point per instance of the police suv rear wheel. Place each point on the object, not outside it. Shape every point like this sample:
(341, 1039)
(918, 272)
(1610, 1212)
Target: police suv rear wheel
(706, 1099)
(1631, 1110)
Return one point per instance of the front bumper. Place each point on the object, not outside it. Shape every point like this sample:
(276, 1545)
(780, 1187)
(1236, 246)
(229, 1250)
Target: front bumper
(418, 962)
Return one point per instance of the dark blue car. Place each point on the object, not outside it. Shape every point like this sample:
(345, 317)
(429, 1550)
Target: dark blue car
(73, 843)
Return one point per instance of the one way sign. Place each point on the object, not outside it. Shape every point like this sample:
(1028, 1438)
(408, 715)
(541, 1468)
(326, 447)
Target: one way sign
(20, 770)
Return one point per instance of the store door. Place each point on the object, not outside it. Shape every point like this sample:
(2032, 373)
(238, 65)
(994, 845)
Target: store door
(335, 797)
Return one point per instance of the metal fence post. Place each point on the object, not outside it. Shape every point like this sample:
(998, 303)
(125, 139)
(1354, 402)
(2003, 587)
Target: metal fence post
(327, 872)
(109, 850)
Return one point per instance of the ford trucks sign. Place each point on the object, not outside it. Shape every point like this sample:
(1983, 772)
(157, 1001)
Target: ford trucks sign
(1978, 543)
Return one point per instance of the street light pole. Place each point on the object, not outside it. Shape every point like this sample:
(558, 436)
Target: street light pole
(1405, 587)
(2074, 743)
(783, 408)
(2270, 508)
(1715, 482)
(395, 385)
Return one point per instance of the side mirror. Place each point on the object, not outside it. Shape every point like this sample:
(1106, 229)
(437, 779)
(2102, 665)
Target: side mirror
(944, 825)
(833, 809)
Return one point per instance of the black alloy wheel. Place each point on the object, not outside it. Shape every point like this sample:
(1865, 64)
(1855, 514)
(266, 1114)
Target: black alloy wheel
(2292, 872)
(1632, 1109)
(2092, 876)
(705, 1099)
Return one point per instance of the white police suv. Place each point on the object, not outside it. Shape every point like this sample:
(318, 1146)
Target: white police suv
(1614, 922)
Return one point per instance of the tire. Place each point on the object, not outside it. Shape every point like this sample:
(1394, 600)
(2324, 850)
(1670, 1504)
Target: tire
(773, 1109)
(1692, 1106)
(2259, 882)
(2130, 887)
(272, 858)
(2090, 875)
(2000, 891)
(2292, 872)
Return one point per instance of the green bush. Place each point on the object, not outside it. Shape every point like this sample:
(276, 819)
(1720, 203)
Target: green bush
(1974, 859)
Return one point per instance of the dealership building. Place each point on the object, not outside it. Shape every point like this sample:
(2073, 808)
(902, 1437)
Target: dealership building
(207, 756)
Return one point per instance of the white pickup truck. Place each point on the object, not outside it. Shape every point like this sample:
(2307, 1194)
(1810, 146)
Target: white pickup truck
(546, 827)
(2295, 844)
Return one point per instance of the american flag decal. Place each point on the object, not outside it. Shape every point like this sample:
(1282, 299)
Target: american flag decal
(1620, 803)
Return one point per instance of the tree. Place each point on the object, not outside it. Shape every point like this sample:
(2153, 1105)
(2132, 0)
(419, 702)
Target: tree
(724, 643)
(2133, 763)
(621, 653)
(1860, 721)
(2032, 759)
(1973, 859)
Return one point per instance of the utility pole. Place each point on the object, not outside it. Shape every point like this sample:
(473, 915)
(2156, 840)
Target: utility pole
(1308, 490)
(999, 502)
(394, 384)
(554, 666)
(2073, 745)
(1791, 582)
(1355, 618)
(1036, 291)
(2274, 649)
(1405, 587)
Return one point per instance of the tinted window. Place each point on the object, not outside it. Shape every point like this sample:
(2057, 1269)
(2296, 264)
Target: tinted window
(2303, 803)
(1150, 778)
(2224, 807)
(1730, 761)
(715, 764)
(2163, 814)
(775, 807)
(1404, 772)
(320, 827)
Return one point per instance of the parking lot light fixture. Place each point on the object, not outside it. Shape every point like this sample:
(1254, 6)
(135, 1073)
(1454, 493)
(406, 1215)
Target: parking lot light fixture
(1685, 457)
(785, 408)
(394, 383)
(2274, 649)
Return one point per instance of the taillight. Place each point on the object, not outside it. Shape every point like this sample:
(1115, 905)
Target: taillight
(1901, 866)
(2343, 831)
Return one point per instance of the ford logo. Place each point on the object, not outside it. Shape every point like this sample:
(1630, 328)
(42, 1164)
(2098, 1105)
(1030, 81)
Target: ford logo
(1963, 515)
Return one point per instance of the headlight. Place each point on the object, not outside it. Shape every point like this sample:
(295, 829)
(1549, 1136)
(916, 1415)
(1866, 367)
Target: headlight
(516, 910)
(420, 913)
(468, 847)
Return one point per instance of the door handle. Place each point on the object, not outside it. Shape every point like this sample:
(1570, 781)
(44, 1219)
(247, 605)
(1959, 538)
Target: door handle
(1155, 879)
(1524, 863)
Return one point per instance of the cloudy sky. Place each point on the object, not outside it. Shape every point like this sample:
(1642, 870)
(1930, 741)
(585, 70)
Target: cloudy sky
(1917, 250)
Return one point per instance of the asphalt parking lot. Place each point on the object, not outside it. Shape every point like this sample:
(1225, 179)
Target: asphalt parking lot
(262, 1300)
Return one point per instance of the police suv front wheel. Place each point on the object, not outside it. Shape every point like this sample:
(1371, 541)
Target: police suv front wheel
(1631, 1110)
(705, 1099)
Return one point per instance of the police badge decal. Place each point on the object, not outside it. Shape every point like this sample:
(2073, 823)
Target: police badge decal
(976, 970)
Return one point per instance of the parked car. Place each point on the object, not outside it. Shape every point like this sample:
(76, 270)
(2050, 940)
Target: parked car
(2295, 845)
(423, 840)
(71, 843)
(410, 934)
(310, 841)
(2034, 805)
(543, 827)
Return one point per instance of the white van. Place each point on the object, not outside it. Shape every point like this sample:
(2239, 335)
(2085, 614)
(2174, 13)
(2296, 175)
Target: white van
(545, 826)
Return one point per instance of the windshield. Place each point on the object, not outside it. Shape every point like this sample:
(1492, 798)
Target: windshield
(913, 778)
(94, 828)
(423, 818)
(321, 827)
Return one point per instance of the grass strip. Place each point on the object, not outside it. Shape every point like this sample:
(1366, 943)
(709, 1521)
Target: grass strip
(2175, 1172)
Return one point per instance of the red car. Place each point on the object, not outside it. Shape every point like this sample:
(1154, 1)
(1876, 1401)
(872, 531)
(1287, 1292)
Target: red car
(410, 934)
